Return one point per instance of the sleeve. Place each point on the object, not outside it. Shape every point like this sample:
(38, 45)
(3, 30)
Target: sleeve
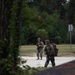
(45, 50)
(52, 49)
(42, 44)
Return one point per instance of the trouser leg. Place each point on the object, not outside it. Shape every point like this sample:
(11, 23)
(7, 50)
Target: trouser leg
(41, 54)
(37, 55)
(47, 62)
(53, 61)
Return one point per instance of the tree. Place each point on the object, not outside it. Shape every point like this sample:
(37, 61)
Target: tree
(71, 12)
(9, 35)
(51, 15)
(5, 15)
(42, 34)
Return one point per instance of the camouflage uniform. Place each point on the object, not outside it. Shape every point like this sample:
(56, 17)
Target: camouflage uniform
(49, 51)
(55, 49)
(40, 46)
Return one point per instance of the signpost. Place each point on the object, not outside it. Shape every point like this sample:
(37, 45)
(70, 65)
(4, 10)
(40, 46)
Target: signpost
(70, 29)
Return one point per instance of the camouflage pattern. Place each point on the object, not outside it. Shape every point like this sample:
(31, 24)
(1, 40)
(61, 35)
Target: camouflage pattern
(49, 51)
(40, 46)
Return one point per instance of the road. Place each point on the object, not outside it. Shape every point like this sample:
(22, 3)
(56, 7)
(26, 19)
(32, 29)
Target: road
(32, 62)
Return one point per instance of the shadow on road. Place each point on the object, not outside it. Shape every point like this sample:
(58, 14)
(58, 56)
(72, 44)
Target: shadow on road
(64, 69)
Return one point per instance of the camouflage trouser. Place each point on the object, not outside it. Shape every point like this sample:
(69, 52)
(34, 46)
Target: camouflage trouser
(39, 53)
(50, 58)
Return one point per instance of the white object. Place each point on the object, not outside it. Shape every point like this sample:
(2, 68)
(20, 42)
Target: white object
(70, 27)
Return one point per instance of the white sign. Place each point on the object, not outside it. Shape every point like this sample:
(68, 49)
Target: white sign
(70, 27)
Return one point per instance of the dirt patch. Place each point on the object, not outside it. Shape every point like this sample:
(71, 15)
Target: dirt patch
(27, 54)
(66, 54)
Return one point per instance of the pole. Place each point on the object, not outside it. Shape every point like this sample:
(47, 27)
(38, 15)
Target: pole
(70, 29)
(70, 40)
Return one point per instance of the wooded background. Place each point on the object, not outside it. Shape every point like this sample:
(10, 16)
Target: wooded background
(47, 19)
(23, 21)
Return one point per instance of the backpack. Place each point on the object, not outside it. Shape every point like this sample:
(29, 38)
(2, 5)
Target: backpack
(49, 50)
(55, 49)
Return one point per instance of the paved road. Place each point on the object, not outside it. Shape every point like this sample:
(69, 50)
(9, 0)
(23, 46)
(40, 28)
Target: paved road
(32, 62)
(64, 69)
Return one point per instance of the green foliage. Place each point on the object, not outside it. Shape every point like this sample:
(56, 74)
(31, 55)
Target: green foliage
(29, 71)
(9, 39)
(58, 39)
(6, 67)
(42, 34)
(43, 14)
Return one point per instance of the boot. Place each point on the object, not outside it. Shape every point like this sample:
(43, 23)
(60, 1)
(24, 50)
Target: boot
(46, 64)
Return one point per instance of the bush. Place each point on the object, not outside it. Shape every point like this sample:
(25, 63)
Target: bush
(42, 34)
(58, 39)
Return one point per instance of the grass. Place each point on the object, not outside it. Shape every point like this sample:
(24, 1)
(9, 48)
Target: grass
(27, 50)
(64, 50)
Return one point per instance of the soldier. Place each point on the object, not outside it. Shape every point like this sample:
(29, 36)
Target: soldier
(40, 46)
(49, 51)
(55, 49)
